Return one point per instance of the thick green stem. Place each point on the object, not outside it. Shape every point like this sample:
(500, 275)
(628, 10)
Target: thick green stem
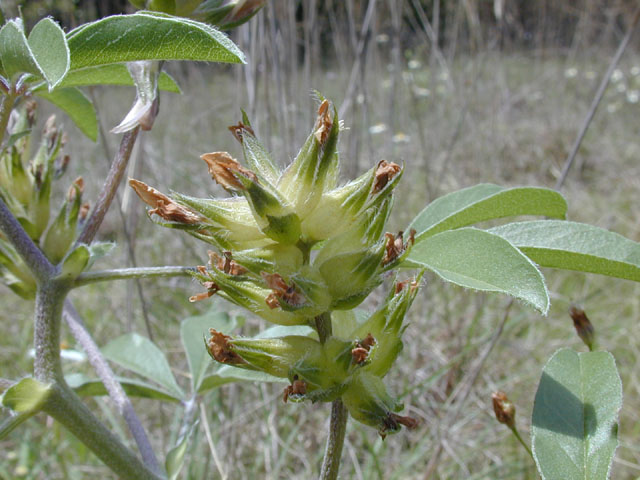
(65, 406)
(131, 273)
(49, 301)
(339, 416)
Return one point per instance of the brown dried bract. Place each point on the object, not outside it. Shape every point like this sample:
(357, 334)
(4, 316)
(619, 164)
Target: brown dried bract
(323, 123)
(164, 206)
(413, 285)
(84, 211)
(221, 350)
(225, 263)
(239, 129)
(298, 387)
(77, 187)
(393, 422)
(360, 352)
(395, 245)
(505, 410)
(281, 290)
(272, 301)
(224, 170)
(384, 173)
(212, 288)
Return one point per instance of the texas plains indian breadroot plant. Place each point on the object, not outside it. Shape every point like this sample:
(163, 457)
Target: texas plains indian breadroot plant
(292, 247)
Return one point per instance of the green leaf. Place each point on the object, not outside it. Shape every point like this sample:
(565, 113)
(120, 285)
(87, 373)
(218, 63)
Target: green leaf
(486, 202)
(15, 54)
(482, 261)
(140, 355)
(192, 331)
(148, 36)
(92, 387)
(175, 458)
(575, 246)
(75, 262)
(77, 106)
(26, 398)
(575, 416)
(113, 74)
(49, 48)
(229, 374)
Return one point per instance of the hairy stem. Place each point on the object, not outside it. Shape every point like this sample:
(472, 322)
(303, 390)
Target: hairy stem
(113, 387)
(110, 187)
(65, 406)
(30, 253)
(339, 416)
(49, 300)
(130, 273)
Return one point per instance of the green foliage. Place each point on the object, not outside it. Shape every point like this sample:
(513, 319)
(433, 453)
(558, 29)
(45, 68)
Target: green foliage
(140, 355)
(575, 246)
(25, 398)
(148, 36)
(112, 74)
(92, 387)
(575, 416)
(486, 202)
(75, 104)
(482, 261)
(176, 456)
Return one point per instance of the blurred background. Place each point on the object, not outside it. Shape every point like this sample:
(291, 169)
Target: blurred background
(460, 91)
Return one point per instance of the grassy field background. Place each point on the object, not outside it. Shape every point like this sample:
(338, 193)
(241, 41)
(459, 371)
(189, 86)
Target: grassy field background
(490, 117)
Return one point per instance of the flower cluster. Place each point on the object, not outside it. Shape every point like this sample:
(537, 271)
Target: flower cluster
(25, 187)
(292, 246)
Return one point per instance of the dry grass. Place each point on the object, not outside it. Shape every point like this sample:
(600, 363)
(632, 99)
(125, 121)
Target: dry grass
(507, 120)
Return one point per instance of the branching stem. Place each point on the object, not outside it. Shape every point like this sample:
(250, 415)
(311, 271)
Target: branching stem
(116, 172)
(131, 273)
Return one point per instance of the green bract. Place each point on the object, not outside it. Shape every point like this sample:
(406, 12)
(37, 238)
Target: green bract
(292, 246)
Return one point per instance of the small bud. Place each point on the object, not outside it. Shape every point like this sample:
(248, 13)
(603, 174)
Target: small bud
(505, 410)
(584, 327)
(395, 247)
(61, 166)
(227, 14)
(31, 107)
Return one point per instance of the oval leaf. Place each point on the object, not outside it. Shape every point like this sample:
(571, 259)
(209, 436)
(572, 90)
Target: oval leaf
(575, 416)
(114, 74)
(483, 261)
(26, 398)
(91, 387)
(228, 374)
(49, 48)
(575, 246)
(140, 355)
(148, 36)
(77, 106)
(486, 202)
(15, 54)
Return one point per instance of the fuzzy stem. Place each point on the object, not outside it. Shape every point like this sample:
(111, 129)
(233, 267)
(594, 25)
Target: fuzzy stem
(49, 300)
(113, 387)
(110, 187)
(339, 416)
(30, 253)
(65, 406)
(130, 273)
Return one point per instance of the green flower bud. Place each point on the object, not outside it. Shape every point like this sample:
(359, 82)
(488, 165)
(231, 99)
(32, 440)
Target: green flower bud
(340, 208)
(369, 402)
(386, 327)
(14, 273)
(255, 155)
(275, 356)
(304, 181)
(62, 231)
(272, 213)
(285, 259)
(246, 293)
(303, 292)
